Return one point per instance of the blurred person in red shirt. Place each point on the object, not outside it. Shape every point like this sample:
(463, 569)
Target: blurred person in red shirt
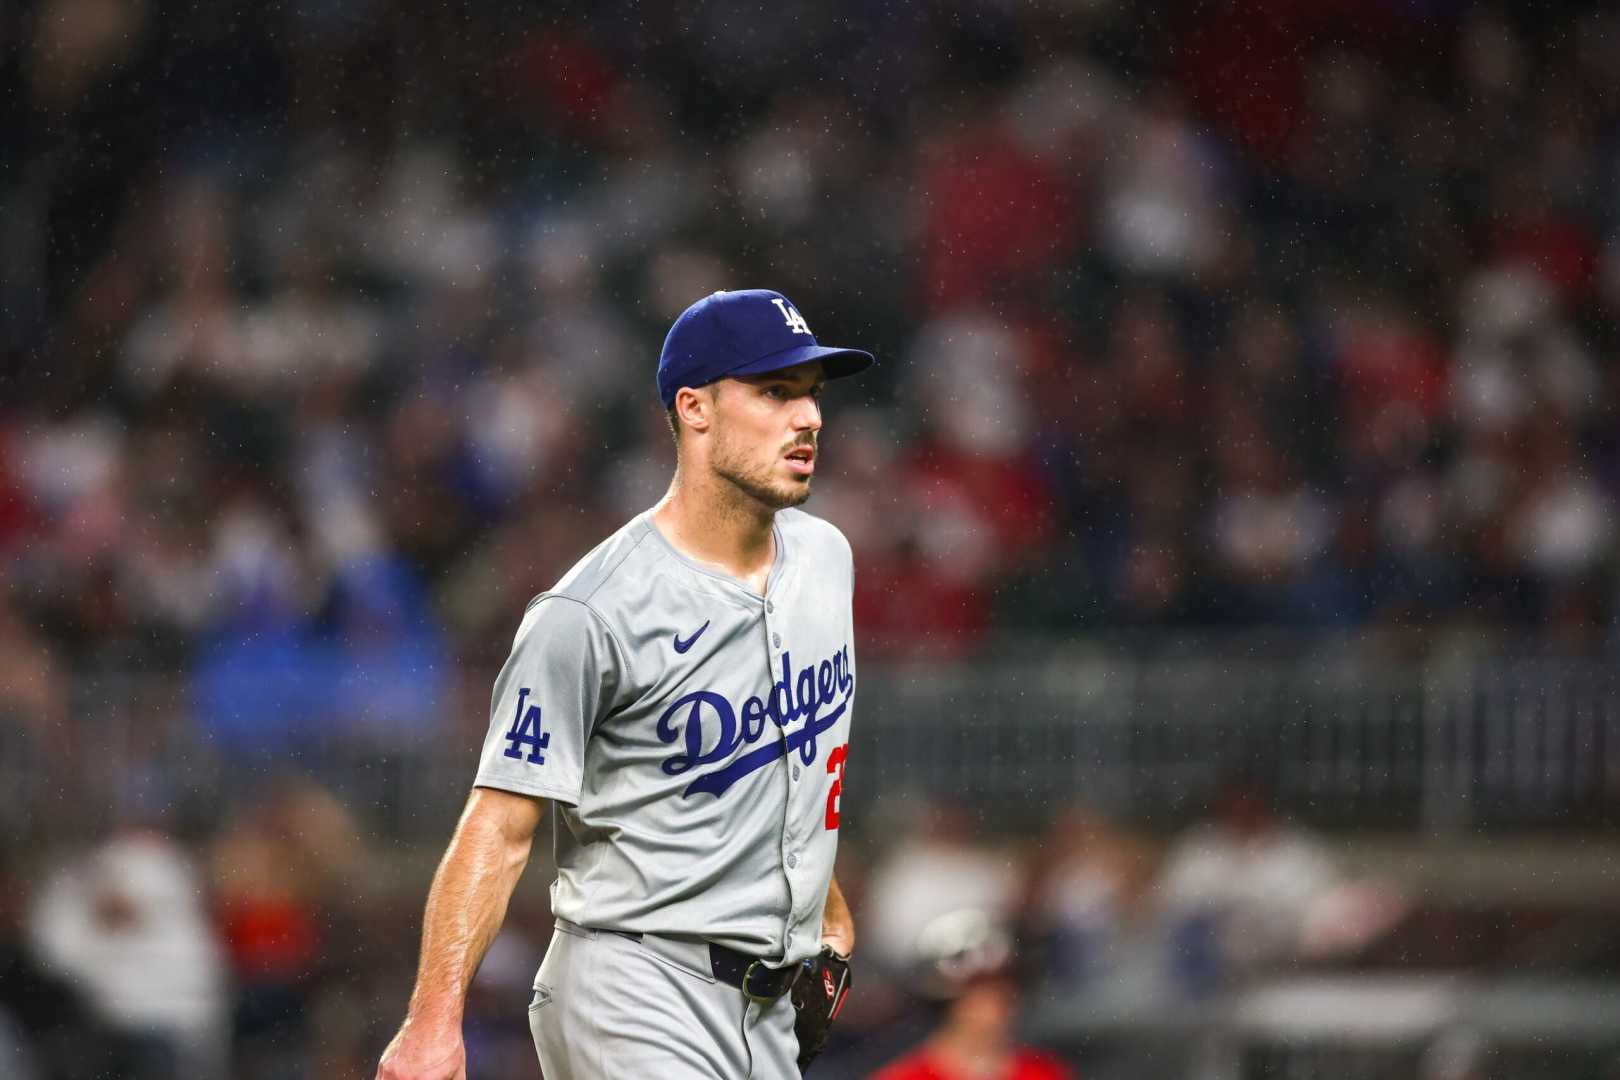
(967, 964)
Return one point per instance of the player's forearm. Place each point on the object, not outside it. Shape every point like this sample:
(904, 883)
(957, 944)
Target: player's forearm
(837, 924)
(468, 900)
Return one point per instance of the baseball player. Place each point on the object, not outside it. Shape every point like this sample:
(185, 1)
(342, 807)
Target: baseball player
(966, 967)
(682, 697)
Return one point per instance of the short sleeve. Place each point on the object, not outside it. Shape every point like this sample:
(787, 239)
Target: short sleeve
(558, 681)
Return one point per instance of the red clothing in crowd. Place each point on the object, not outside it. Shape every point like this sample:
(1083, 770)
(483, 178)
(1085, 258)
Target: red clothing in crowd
(1026, 1065)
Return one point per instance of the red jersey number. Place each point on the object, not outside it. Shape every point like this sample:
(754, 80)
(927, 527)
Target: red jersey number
(835, 764)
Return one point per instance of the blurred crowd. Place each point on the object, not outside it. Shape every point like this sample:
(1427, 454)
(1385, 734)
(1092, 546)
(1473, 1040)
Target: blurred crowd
(282, 946)
(333, 333)
(272, 950)
(327, 337)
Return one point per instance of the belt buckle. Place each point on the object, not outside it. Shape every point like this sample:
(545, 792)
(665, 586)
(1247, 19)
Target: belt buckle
(748, 978)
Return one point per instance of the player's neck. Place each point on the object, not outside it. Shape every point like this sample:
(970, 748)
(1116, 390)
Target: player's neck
(713, 523)
(971, 1054)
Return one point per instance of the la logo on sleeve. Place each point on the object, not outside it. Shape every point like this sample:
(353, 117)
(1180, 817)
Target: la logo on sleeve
(525, 731)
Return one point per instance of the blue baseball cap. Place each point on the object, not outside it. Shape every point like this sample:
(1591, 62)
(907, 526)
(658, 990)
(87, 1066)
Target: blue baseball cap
(746, 332)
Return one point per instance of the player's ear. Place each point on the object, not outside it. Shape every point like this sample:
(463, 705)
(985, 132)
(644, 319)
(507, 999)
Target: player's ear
(695, 407)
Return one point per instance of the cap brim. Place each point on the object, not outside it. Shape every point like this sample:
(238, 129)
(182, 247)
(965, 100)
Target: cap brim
(835, 363)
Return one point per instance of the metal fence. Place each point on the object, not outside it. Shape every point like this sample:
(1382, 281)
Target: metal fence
(1437, 747)
(1381, 745)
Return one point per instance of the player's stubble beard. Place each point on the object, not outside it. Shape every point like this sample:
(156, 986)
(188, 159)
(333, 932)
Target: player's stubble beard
(732, 463)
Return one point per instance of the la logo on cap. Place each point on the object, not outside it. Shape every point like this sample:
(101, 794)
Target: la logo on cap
(795, 321)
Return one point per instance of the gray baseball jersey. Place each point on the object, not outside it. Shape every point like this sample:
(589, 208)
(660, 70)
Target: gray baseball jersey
(692, 734)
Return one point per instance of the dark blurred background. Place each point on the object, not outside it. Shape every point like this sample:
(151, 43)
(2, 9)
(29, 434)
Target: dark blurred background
(1234, 502)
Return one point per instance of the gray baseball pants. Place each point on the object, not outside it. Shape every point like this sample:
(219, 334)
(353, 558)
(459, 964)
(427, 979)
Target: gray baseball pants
(606, 1007)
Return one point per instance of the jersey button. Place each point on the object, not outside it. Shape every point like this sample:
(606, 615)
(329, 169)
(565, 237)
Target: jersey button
(792, 861)
(770, 608)
(776, 640)
(795, 772)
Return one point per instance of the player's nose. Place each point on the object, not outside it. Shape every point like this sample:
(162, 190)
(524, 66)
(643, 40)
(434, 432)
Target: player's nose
(807, 414)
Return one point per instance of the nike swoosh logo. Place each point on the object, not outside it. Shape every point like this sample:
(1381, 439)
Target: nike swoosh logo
(682, 646)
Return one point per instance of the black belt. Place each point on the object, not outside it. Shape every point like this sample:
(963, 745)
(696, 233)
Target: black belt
(750, 974)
